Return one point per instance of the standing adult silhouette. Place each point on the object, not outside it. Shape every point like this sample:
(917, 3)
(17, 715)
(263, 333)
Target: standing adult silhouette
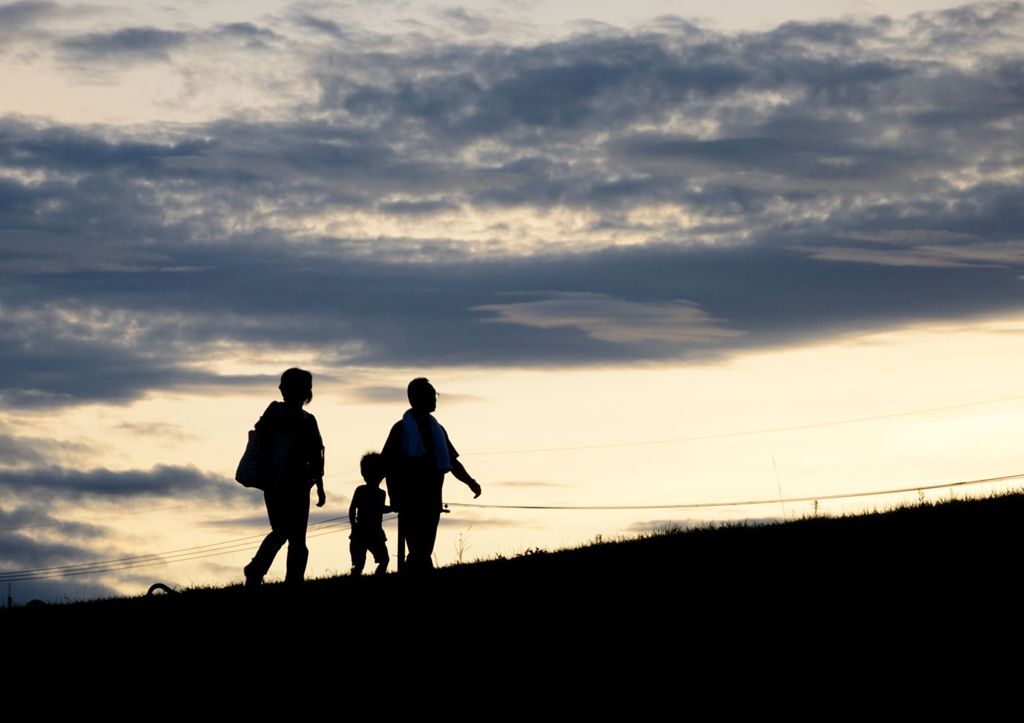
(292, 452)
(417, 455)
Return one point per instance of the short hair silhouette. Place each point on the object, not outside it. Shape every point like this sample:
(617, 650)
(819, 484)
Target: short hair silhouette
(297, 382)
(371, 466)
(420, 390)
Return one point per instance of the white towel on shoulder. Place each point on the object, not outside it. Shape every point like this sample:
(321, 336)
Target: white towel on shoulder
(412, 440)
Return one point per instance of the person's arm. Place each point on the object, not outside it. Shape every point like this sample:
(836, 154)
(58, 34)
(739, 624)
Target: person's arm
(392, 454)
(352, 512)
(460, 473)
(321, 496)
(318, 463)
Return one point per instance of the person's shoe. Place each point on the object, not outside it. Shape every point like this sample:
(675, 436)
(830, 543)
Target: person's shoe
(252, 581)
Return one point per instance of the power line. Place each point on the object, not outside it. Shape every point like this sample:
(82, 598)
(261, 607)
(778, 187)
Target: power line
(742, 503)
(132, 513)
(180, 555)
(334, 524)
(146, 561)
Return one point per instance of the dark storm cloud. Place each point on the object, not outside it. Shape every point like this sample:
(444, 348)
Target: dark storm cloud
(812, 180)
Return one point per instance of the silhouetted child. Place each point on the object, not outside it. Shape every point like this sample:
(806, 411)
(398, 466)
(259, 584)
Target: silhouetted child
(366, 516)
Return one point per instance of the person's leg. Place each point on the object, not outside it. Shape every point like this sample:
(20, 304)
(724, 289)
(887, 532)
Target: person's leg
(430, 524)
(298, 554)
(257, 568)
(380, 555)
(412, 528)
(420, 533)
(358, 552)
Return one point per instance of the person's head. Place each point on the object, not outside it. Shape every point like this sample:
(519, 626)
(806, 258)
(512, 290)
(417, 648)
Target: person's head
(422, 395)
(297, 387)
(371, 466)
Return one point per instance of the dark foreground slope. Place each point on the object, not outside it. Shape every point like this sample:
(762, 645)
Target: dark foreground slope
(950, 564)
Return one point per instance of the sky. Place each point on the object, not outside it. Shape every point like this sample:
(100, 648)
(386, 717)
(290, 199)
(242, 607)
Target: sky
(649, 254)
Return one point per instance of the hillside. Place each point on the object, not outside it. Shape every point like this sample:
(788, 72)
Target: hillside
(927, 558)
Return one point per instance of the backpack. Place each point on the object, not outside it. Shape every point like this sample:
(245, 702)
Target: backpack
(270, 453)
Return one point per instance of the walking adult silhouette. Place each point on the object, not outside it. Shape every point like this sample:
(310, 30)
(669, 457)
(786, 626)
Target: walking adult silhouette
(417, 455)
(292, 452)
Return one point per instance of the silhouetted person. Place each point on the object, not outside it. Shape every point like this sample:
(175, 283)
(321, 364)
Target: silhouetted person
(417, 454)
(293, 452)
(366, 515)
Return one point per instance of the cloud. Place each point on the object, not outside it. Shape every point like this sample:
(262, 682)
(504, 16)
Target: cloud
(69, 485)
(613, 196)
(168, 433)
(319, 24)
(20, 451)
(462, 519)
(467, 22)
(34, 517)
(531, 484)
(1009, 253)
(416, 208)
(377, 313)
(29, 25)
(17, 15)
(33, 541)
(69, 355)
(133, 44)
(398, 396)
(258, 522)
(254, 35)
(18, 551)
(150, 44)
(614, 320)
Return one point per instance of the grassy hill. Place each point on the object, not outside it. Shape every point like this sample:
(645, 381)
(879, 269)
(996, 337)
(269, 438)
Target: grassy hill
(825, 609)
(925, 558)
